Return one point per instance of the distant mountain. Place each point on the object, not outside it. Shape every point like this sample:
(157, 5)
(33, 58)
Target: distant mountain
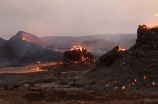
(24, 47)
(2, 41)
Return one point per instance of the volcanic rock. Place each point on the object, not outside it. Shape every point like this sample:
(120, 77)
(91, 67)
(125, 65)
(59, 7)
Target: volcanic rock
(110, 57)
(135, 68)
(75, 60)
(24, 47)
(2, 41)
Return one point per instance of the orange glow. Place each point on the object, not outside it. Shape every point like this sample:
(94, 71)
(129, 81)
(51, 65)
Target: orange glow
(77, 47)
(146, 27)
(123, 87)
(116, 88)
(38, 69)
(76, 62)
(155, 14)
(58, 50)
(38, 62)
(150, 26)
(82, 57)
(81, 49)
(123, 63)
(135, 80)
(106, 85)
(144, 77)
(121, 49)
(153, 83)
(153, 59)
(23, 38)
(26, 38)
(60, 62)
(132, 82)
(26, 69)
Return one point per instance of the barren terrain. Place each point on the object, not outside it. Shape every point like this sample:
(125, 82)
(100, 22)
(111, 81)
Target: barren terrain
(76, 97)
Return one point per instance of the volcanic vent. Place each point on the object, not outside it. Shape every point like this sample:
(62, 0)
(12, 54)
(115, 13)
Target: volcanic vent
(25, 47)
(28, 37)
(135, 68)
(76, 59)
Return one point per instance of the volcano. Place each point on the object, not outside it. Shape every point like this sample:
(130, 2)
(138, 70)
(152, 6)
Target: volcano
(26, 48)
(133, 69)
(28, 37)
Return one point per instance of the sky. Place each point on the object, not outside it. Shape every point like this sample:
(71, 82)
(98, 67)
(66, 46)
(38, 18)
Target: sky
(75, 17)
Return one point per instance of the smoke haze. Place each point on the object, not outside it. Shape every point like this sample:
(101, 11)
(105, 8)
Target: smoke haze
(75, 17)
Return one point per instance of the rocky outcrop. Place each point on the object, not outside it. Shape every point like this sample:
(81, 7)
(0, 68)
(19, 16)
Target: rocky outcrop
(110, 57)
(75, 60)
(146, 38)
(135, 68)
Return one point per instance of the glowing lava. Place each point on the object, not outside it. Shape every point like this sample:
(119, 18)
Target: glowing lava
(25, 37)
(77, 47)
(121, 49)
(155, 14)
(26, 69)
(153, 83)
(148, 27)
(123, 87)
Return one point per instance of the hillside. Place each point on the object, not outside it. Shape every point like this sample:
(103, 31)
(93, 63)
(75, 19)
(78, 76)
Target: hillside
(133, 69)
(2, 41)
(24, 47)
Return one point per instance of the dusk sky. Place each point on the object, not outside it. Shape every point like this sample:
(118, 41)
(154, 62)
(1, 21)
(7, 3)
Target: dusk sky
(75, 17)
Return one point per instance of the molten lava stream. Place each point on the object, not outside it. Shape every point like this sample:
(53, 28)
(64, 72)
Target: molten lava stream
(25, 69)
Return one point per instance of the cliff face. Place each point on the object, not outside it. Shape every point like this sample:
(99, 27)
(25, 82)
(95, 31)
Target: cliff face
(135, 68)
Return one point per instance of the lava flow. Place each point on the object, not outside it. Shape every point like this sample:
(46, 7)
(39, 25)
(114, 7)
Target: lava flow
(25, 37)
(25, 69)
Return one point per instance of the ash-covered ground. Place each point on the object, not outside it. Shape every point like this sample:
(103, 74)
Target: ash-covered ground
(119, 76)
(135, 68)
(116, 70)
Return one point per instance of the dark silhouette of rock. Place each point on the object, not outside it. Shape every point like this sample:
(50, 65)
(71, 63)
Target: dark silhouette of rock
(27, 50)
(135, 68)
(74, 60)
(110, 57)
(2, 41)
